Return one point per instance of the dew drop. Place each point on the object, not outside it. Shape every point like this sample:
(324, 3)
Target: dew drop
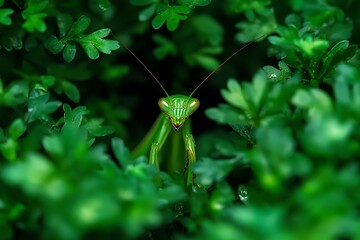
(243, 193)
(273, 75)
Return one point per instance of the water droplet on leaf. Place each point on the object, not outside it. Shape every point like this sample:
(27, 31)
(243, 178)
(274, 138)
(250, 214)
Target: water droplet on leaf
(243, 193)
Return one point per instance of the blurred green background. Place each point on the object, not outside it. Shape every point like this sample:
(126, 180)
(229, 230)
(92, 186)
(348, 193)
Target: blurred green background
(277, 132)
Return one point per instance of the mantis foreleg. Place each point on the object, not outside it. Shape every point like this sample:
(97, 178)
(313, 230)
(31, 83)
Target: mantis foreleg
(155, 139)
(159, 139)
(190, 150)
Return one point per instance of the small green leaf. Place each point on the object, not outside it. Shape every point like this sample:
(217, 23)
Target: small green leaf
(8, 149)
(79, 26)
(69, 52)
(208, 29)
(74, 117)
(209, 171)
(64, 22)
(71, 91)
(171, 14)
(35, 22)
(147, 13)
(12, 38)
(94, 42)
(166, 47)
(234, 94)
(16, 93)
(158, 21)
(53, 145)
(17, 128)
(104, 5)
(48, 80)
(37, 96)
(121, 152)
(171, 194)
(34, 15)
(96, 129)
(55, 45)
(101, 33)
(340, 52)
(90, 50)
(315, 100)
(22, 173)
(224, 114)
(38, 105)
(278, 75)
(5, 16)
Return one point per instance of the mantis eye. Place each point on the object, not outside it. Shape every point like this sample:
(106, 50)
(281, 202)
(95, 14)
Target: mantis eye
(164, 105)
(192, 106)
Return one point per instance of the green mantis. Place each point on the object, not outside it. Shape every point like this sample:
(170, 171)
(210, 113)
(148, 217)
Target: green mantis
(175, 121)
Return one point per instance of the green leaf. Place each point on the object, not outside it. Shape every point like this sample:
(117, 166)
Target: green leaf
(34, 15)
(48, 80)
(64, 22)
(315, 100)
(278, 75)
(38, 105)
(8, 149)
(121, 152)
(16, 93)
(209, 171)
(235, 94)
(172, 15)
(5, 16)
(104, 5)
(69, 52)
(79, 26)
(208, 29)
(224, 114)
(147, 13)
(74, 117)
(94, 42)
(165, 47)
(339, 52)
(17, 128)
(71, 91)
(53, 145)
(35, 22)
(171, 194)
(55, 45)
(12, 38)
(221, 198)
(22, 174)
(90, 50)
(96, 129)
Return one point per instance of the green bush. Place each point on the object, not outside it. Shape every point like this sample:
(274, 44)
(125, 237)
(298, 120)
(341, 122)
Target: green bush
(278, 150)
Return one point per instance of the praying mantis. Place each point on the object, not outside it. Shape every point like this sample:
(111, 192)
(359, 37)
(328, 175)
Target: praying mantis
(174, 120)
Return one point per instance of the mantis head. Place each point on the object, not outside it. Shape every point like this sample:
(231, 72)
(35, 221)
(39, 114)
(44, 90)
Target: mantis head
(178, 108)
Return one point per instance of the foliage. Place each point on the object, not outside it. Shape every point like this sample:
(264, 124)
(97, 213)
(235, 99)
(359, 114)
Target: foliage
(277, 153)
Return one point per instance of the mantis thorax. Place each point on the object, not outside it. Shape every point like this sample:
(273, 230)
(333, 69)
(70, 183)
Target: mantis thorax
(178, 108)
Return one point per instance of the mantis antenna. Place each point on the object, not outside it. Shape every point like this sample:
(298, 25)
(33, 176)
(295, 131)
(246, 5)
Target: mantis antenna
(204, 80)
(226, 60)
(146, 68)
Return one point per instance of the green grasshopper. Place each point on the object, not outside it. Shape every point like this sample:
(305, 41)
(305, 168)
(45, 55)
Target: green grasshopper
(174, 120)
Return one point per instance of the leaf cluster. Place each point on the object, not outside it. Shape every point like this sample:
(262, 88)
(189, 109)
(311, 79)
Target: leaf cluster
(277, 151)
